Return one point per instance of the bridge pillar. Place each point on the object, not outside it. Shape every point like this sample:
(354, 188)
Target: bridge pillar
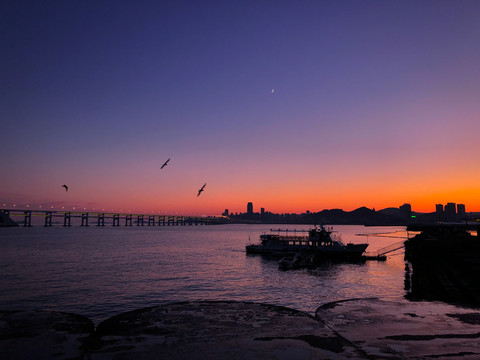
(85, 219)
(48, 218)
(161, 220)
(28, 218)
(140, 220)
(151, 220)
(116, 220)
(67, 219)
(128, 220)
(101, 219)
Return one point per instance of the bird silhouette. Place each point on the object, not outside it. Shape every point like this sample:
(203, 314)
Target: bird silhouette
(65, 186)
(165, 163)
(200, 191)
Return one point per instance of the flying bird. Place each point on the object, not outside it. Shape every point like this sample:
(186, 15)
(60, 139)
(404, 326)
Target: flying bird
(165, 163)
(200, 191)
(273, 90)
(65, 186)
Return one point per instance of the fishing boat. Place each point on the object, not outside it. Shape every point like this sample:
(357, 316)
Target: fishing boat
(320, 242)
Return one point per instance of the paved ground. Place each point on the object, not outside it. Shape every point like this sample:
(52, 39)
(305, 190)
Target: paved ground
(43, 335)
(349, 329)
(405, 330)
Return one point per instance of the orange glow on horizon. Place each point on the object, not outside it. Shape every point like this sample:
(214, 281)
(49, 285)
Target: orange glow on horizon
(275, 191)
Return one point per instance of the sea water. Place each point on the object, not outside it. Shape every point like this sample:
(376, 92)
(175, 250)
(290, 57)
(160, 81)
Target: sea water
(99, 272)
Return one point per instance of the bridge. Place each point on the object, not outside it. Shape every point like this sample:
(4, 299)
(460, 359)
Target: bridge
(84, 218)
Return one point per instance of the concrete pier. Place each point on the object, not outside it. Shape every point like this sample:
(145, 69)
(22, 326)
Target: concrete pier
(5, 220)
(43, 335)
(346, 329)
(405, 330)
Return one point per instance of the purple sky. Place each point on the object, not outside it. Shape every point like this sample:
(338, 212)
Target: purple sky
(376, 103)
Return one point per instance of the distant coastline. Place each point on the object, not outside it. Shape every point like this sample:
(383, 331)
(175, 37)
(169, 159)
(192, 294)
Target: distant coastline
(360, 216)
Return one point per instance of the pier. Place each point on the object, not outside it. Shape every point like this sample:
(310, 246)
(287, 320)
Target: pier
(84, 218)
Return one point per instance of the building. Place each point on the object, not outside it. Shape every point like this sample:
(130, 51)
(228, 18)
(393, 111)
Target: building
(225, 213)
(406, 210)
(439, 209)
(450, 211)
(250, 208)
(439, 213)
(461, 211)
(262, 211)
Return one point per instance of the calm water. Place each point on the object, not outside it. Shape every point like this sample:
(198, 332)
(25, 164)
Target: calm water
(100, 272)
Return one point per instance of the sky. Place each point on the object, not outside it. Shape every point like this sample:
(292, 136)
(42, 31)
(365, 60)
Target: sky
(291, 105)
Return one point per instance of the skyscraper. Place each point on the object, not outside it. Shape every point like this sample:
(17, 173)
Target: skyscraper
(439, 209)
(250, 208)
(450, 211)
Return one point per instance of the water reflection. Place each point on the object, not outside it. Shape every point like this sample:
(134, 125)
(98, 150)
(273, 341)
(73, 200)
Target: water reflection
(100, 272)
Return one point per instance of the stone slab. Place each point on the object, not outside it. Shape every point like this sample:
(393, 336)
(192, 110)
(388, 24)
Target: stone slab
(43, 335)
(385, 329)
(218, 330)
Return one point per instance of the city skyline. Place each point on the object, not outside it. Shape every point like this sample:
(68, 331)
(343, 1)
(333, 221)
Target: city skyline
(295, 106)
(450, 207)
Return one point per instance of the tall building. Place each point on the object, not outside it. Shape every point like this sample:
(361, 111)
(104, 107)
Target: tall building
(450, 211)
(262, 211)
(406, 210)
(225, 213)
(250, 208)
(461, 210)
(439, 209)
(439, 214)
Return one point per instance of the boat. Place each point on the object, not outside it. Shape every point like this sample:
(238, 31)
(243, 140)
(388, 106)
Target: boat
(297, 261)
(320, 242)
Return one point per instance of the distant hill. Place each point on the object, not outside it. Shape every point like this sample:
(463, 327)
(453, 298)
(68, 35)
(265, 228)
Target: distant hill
(361, 216)
(391, 211)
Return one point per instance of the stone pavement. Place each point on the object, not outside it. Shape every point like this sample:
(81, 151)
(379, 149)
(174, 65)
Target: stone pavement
(348, 329)
(405, 330)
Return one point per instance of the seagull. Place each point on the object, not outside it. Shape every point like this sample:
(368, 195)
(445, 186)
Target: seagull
(273, 90)
(165, 164)
(65, 186)
(200, 191)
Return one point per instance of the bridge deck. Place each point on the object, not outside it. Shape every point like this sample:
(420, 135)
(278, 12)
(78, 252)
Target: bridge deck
(86, 218)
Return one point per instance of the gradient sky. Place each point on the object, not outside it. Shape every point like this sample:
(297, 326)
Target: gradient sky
(375, 103)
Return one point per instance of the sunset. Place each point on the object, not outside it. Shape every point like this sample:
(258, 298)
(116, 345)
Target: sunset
(374, 104)
(240, 179)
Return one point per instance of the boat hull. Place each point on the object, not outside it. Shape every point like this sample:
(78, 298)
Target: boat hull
(319, 244)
